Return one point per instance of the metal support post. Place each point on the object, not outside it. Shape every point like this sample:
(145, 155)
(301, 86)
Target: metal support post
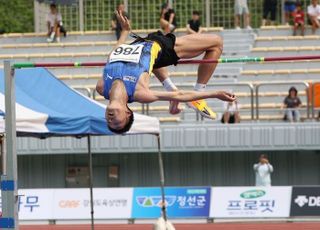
(9, 192)
(126, 5)
(81, 15)
(207, 13)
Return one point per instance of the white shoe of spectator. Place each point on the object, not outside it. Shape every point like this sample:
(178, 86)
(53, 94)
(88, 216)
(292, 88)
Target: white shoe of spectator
(238, 28)
(49, 40)
(249, 28)
(58, 39)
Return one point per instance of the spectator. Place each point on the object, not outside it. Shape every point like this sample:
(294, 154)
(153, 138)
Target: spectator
(54, 22)
(298, 18)
(115, 24)
(194, 25)
(231, 114)
(269, 7)
(292, 103)
(2, 31)
(263, 171)
(167, 19)
(241, 8)
(314, 15)
(289, 8)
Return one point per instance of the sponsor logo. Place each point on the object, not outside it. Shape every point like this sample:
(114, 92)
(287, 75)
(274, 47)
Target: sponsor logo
(252, 194)
(129, 78)
(155, 201)
(108, 76)
(69, 203)
(312, 201)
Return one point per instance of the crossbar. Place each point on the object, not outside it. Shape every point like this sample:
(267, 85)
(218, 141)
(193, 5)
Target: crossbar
(220, 60)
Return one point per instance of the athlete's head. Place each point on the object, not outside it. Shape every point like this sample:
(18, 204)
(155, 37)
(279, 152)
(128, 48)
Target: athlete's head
(119, 118)
(195, 15)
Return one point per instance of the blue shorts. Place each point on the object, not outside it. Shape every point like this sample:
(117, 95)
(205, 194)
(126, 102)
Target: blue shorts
(289, 7)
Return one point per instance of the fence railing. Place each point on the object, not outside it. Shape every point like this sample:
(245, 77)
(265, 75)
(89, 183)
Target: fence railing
(258, 86)
(97, 14)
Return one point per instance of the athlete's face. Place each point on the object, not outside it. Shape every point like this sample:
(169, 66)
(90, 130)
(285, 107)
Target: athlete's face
(117, 117)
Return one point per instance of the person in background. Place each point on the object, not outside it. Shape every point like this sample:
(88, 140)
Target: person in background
(263, 171)
(115, 24)
(194, 24)
(289, 8)
(54, 22)
(168, 21)
(292, 102)
(314, 15)
(241, 8)
(298, 18)
(231, 114)
(269, 7)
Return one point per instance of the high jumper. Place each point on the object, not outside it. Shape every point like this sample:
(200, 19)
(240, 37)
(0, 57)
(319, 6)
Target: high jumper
(127, 72)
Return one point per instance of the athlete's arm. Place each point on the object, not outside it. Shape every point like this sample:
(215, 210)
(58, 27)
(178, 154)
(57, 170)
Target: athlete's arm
(125, 26)
(183, 96)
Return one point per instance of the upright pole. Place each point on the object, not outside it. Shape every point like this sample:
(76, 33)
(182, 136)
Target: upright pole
(91, 182)
(164, 210)
(36, 14)
(81, 15)
(2, 151)
(207, 13)
(9, 185)
(283, 20)
(126, 5)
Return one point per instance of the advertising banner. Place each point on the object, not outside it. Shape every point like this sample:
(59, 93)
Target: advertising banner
(74, 204)
(111, 203)
(35, 204)
(180, 202)
(305, 201)
(250, 202)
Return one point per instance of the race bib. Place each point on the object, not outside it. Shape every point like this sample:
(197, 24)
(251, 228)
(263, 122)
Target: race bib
(126, 53)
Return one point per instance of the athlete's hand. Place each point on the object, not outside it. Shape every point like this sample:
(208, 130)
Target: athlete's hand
(174, 107)
(225, 96)
(123, 20)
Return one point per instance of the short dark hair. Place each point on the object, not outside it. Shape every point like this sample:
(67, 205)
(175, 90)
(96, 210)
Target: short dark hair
(293, 89)
(127, 127)
(53, 5)
(196, 12)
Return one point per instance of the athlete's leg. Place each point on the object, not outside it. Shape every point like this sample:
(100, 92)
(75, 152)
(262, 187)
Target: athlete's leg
(193, 45)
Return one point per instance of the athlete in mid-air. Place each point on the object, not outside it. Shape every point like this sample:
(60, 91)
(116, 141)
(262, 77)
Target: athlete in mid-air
(127, 72)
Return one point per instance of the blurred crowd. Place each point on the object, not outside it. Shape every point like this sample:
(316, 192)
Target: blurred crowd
(292, 9)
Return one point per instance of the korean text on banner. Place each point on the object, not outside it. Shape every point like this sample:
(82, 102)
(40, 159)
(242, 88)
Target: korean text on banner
(180, 202)
(110, 203)
(35, 204)
(250, 202)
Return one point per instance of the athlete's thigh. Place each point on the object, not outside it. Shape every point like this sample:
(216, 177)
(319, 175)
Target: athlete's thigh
(193, 45)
